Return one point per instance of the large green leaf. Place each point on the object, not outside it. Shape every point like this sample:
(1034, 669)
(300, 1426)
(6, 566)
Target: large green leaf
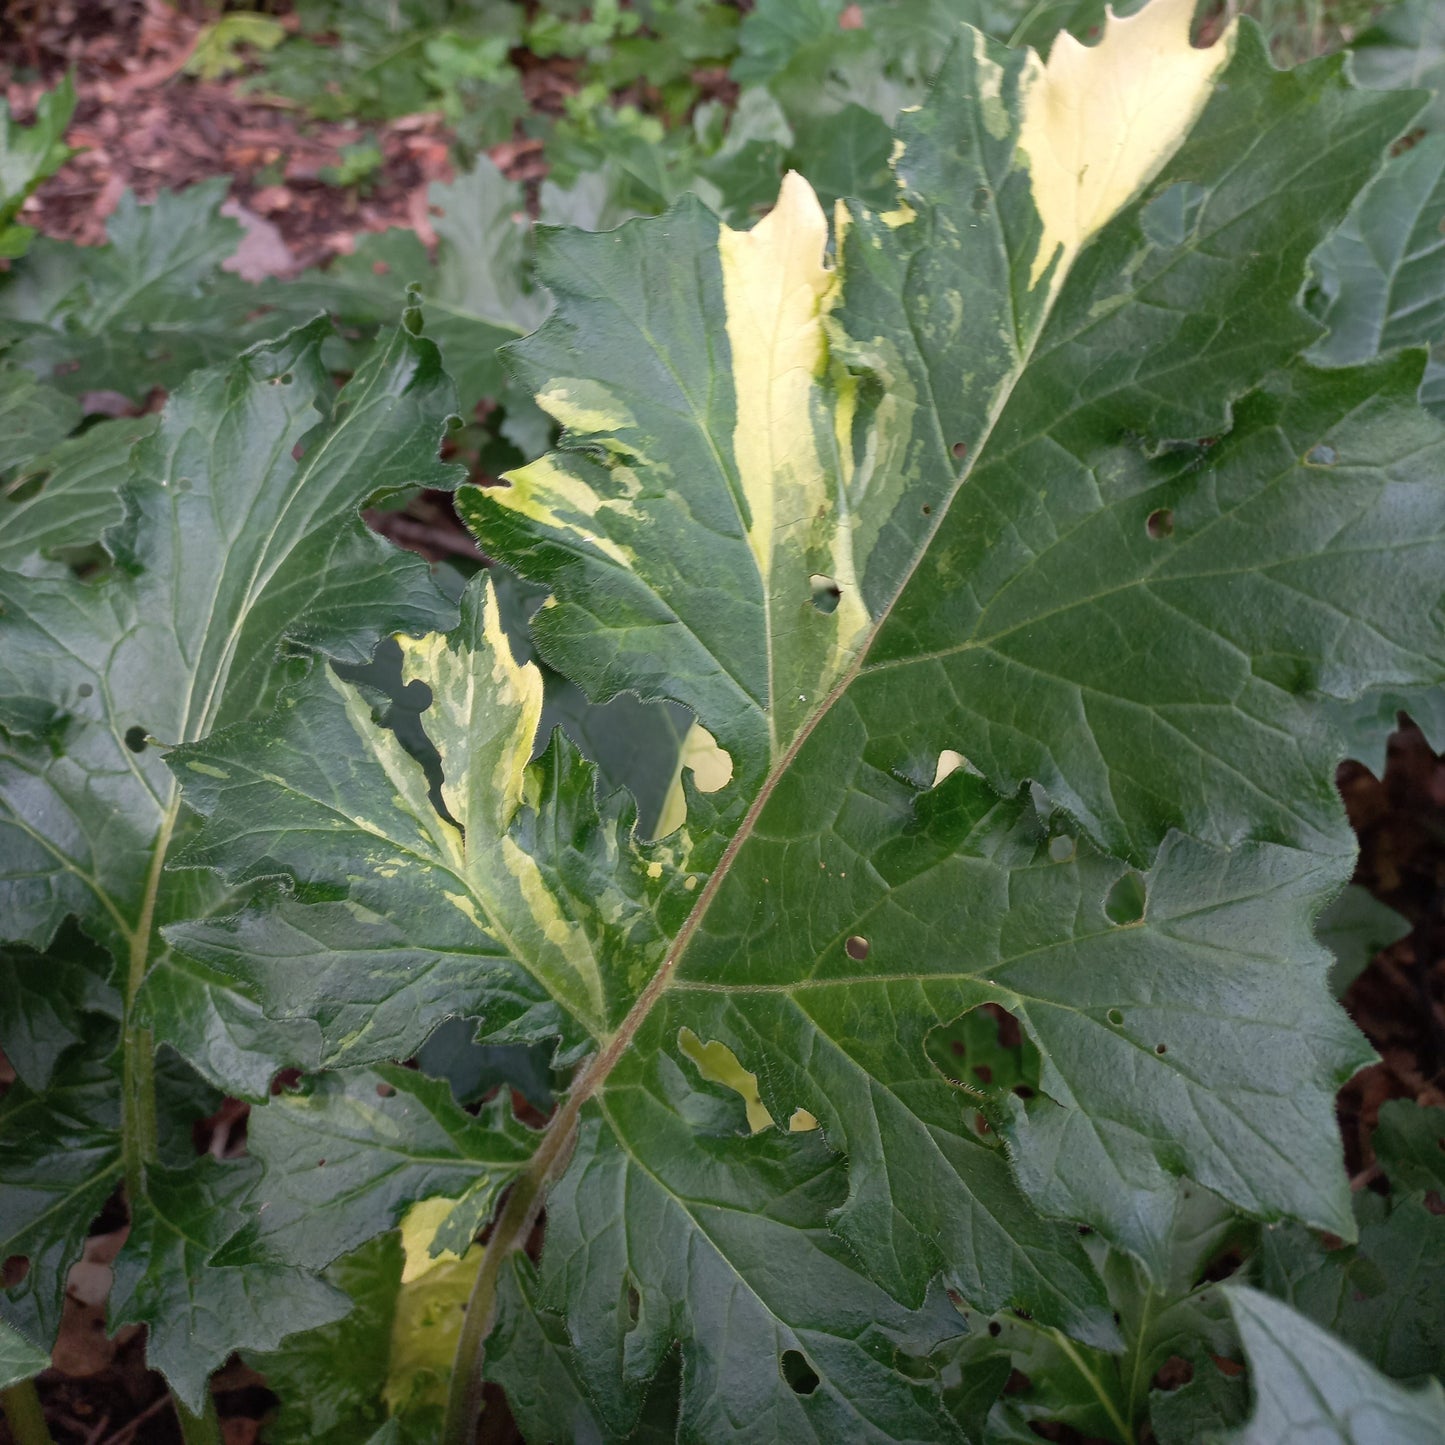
(240, 539)
(583, 903)
(1309, 1387)
(67, 495)
(32, 418)
(1182, 1316)
(240, 549)
(1381, 275)
(1385, 1295)
(143, 310)
(1405, 50)
(1005, 564)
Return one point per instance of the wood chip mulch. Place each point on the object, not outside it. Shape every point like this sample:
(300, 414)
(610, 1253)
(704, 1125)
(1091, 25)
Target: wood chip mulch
(143, 124)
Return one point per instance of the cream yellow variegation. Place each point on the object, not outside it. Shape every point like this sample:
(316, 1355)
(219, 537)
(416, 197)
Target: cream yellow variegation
(556, 497)
(1099, 122)
(483, 721)
(485, 710)
(711, 768)
(774, 282)
(776, 286)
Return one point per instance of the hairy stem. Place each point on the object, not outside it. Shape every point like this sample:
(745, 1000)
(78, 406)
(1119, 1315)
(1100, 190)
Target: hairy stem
(515, 1222)
(1101, 1392)
(464, 1398)
(21, 1407)
(202, 1429)
(138, 1086)
(138, 1106)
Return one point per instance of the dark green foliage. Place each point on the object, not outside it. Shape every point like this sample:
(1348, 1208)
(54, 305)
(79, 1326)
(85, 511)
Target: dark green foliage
(864, 882)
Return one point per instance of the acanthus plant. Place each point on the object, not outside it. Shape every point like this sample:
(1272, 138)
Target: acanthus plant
(1010, 556)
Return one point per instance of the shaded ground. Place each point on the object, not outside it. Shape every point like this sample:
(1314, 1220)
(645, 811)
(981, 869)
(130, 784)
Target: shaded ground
(1399, 1001)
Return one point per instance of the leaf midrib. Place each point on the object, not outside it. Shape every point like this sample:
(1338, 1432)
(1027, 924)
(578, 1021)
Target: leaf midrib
(518, 1218)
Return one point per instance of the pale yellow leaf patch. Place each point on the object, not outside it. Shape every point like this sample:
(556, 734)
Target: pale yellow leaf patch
(551, 495)
(774, 282)
(419, 1227)
(564, 935)
(1099, 122)
(585, 406)
(719, 1065)
(425, 1331)
(483, 719)
(712, 769)
(506, 710)
(949, 762)
(777, 288)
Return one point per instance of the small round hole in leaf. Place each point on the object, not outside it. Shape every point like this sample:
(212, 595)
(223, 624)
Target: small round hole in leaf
(1115, 1017)
(1160, 523)
(985, 1052)
(135, 738)
(1161, 1049)
(802, 1378)
(634, 1303)
(856, 948)
(960, 450)
(1173, 1374)
(85, 689)
(995, 1329)
(1126, 900)
(826, 593)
